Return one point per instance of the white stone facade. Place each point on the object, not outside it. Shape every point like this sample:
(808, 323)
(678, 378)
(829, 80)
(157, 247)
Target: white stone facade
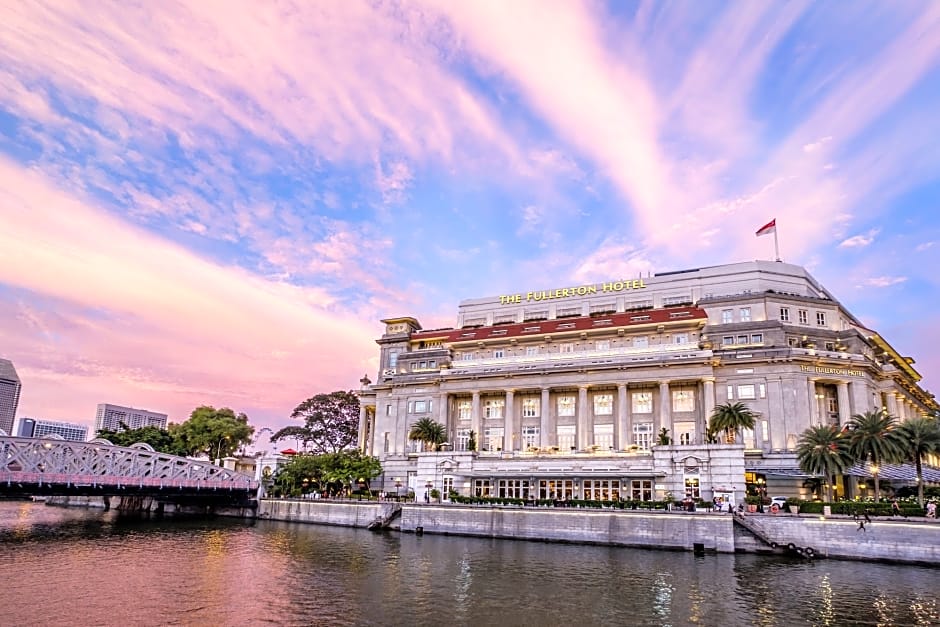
(567, 389)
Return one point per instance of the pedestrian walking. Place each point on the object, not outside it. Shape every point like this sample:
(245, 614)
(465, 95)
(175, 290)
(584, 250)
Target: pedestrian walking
(861, 524)
(931, 510)
(895, 508)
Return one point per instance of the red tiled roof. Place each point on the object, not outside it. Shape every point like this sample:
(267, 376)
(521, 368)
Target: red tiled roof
(567, 325)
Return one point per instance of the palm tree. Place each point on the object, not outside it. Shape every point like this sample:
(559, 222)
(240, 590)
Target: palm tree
(873, 436)
(920, 437)
(823, 450)
(731, 418)
(429, 431)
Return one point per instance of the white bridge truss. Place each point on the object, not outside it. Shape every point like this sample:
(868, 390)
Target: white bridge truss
(43, 461)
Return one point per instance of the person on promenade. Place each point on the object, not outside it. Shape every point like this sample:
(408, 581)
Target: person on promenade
(931, 510)
(861, 524)
(895, 508)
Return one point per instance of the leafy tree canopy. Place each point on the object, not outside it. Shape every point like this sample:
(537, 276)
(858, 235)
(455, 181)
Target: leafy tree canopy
(213, 432)
(731, 418)
(330, 472)
(331, 422)
(824, 450)
(160, 439)
(429, 431)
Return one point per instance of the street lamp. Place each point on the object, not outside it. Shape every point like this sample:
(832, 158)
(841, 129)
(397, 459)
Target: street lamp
(427, 491)
(218, 449)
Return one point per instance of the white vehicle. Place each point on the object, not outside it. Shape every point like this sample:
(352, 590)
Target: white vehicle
(779, 501)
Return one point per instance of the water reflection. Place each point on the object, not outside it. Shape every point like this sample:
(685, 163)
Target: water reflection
(226, 572)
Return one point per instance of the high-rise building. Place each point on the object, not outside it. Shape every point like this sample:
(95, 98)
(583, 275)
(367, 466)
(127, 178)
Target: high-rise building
(117, 418)
(9, 395)
(37, 428)
(605, 390)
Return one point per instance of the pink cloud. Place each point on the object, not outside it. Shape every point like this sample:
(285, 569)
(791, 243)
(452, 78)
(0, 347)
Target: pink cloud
(125, 306)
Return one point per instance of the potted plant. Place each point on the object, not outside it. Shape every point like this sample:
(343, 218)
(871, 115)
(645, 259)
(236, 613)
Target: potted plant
(435, 495)
(793, 504)
(752, 502)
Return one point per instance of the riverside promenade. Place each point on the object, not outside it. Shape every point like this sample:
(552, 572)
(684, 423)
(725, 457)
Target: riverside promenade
(915, 541)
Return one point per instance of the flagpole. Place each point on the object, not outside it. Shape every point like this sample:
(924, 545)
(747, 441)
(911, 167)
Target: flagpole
(776, 245)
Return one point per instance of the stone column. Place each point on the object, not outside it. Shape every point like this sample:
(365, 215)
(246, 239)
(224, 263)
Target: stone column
(508, 420)
(476, 420)
(845, 411)
(443, 417)
(584, 439)
(623, 418)
(813, 403)
(892, 403)
(708, 404)
(546, 433)
(665, 411)
(363, 427)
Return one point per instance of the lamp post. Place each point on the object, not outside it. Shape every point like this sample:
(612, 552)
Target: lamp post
(427, 491)
(397, 488)
(874, 474)
(218, 450)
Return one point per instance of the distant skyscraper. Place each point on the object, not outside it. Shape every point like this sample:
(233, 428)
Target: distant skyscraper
(111, 417)
(35, 428)
(9, 395)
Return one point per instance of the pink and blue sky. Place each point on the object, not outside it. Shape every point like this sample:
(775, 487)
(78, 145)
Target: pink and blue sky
(216, 202)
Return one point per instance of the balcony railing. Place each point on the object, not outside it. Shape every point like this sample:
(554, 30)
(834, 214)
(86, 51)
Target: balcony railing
(593, 357)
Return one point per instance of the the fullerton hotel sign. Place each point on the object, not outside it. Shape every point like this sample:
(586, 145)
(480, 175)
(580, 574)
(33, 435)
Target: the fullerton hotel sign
(568, 292)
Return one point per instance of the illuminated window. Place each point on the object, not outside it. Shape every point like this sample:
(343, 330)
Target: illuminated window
(565, 434)
(464, 410)
(601, 489)
(463, 439)
(530, 407)
(683, 400)
(642, 402)
(641, 490)
(530, 437)
(604, 437)
(603, 404)
(493, 439)
(745, 313)
(566, 405)
(493, 408)
(643, 435)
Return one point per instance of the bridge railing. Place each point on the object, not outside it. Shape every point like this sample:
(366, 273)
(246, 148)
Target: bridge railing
(39, 460)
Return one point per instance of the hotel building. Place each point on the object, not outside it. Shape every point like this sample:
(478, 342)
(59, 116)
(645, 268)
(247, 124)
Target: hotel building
(567, 390)
(111, 417)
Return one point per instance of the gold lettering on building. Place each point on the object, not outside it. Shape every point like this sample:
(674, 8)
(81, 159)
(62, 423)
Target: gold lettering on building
(845, 372)
(568, 292)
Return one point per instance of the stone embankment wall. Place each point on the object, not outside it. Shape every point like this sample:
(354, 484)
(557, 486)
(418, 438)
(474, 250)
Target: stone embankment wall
(913, 541)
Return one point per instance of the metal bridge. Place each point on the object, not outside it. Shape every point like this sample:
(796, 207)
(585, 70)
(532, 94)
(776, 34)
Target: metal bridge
(55, 467)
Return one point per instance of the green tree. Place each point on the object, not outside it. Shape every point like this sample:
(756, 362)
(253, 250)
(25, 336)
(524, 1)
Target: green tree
(664, 438)
(213, 432)
(329, 472)
(472, 440)
(823, 450)
(331, 422)
(429, 431)
(919, 437)
(873, 436)
(160, 439)
(731, 418)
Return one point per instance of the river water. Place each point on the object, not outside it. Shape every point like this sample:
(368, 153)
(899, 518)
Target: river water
(88, 567)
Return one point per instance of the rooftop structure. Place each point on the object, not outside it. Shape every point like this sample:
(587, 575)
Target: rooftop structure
(10, 387)
(117, 418)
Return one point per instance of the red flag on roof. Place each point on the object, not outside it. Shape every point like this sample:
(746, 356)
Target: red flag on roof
(770, 227)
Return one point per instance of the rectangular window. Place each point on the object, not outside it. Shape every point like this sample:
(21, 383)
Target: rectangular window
(745, 313)
(483, 488)
(727, 316)
(566, 405)
(556, 489)
(493, 407)
(746, 392)
(566, 347)
(530, 437)
(762, 390)
(463, 439)
(730, 392)
(793, 341)
(641, 490)
(420, 407)
(757, 338)
(785, 314)
(447, 486)
(566, 435)
(641, 342)
(603, 404)
(392, 359)
(643, 435)
(830, 346)
(685, 432)
(388, 410)
(602, 345)
(801, 313)
(601, 489)
(742, 339)
(821, 318)
(727, 340)
(498, 353)
(467, 357)
(604, 437)
(464, 410)
(513, 489)
(531, 351)
(642, 402)
(692, 488)
(530, 407)
(683, 400)
(680, 338)
(493, 439)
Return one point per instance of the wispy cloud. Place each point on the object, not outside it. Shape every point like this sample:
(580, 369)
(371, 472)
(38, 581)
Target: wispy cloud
(860, 241)
(885, 281)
